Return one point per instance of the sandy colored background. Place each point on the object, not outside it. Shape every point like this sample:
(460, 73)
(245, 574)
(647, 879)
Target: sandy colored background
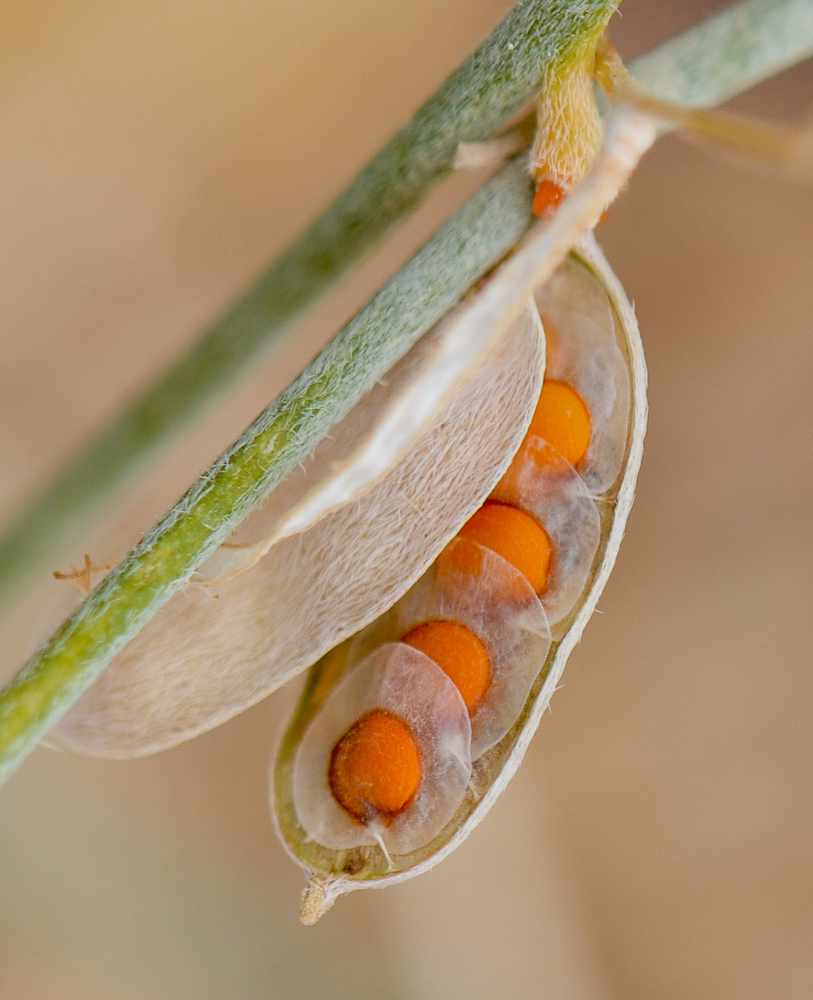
(657, 842)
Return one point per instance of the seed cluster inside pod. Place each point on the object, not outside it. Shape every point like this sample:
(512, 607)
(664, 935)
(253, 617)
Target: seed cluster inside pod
(489, 617)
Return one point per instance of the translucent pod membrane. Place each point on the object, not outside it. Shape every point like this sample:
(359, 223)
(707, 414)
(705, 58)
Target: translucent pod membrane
(514, 629)
(403, 681)
(567, 510)
(582, 351)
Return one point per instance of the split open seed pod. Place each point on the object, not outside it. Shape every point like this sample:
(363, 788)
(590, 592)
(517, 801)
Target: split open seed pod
(437, 558)
(366, 574)
(582, 506)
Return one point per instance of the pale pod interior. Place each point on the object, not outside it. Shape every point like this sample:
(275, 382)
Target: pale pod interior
(214, 650)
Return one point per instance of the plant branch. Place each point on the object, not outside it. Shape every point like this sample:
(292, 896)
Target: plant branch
(729, 53)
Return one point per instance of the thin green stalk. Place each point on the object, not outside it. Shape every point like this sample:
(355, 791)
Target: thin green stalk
(729, 53)
(419, 294)
(536, 37)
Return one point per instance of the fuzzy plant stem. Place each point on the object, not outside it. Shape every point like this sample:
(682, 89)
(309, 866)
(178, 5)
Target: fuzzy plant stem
(744, 44)
(535, 38)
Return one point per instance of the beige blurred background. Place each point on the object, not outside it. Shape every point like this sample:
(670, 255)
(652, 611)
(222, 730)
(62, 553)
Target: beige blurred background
(657, 842)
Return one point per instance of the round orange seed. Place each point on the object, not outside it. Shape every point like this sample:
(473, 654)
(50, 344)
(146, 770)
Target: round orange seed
(459, 653)
(562, 420)
(515, 536)
(375, 768)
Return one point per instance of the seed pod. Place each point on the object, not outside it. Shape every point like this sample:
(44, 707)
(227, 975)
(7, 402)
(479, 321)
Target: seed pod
(580, 496)
(430, 510)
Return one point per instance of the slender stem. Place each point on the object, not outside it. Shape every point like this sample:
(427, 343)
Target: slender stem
(536, 37)
(420, 293)
(729, 53)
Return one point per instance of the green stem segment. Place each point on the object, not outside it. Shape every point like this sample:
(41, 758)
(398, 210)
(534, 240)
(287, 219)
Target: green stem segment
(535, 39)
(729, 53)
(756, 39)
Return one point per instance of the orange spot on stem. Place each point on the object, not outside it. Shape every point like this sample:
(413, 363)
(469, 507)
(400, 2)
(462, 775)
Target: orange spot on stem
(547, 197)
(459, 653)
(375, 768)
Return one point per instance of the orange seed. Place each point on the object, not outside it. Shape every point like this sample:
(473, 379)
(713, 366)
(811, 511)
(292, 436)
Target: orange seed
(375, 768)
(563, 421)
(512, 534)
(459, 653)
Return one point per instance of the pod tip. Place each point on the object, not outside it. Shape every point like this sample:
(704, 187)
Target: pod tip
(318, 897)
